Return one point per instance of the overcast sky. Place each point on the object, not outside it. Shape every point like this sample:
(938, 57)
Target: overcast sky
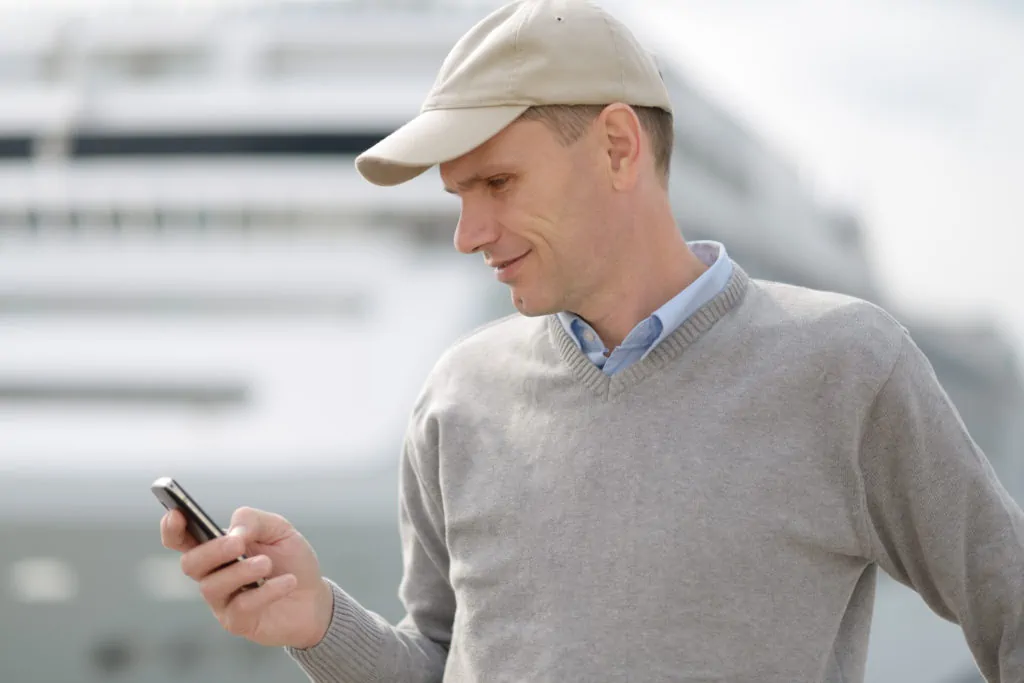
(910, 110)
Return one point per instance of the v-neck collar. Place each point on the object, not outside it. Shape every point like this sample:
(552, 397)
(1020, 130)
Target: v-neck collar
(668, 349)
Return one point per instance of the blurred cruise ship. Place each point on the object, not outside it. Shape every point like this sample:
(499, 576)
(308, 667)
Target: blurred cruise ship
(194, 281)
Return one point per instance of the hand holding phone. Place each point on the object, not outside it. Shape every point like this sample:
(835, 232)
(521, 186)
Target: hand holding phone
(276, 597)
(200, 525)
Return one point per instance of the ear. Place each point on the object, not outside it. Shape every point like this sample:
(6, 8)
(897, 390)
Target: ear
(622, 138)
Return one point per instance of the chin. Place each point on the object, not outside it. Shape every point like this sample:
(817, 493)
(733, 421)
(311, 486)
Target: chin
(531, 306)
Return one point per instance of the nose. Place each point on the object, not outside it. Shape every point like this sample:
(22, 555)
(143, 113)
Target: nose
(476, 229)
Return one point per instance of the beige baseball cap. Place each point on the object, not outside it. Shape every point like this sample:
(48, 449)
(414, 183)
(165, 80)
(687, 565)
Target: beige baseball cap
(527, 53)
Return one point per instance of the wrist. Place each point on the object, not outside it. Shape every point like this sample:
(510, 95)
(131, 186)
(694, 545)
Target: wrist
(323, 614)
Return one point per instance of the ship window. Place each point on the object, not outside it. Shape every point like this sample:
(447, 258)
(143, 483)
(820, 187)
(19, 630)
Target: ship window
(268, 143)
(162, 579)
(170, 394)
(314, 61)
(43, 580)
(147, 65)
(13, 219)
(338, 305)
(184, 652)
(15, 147)
(113, 656)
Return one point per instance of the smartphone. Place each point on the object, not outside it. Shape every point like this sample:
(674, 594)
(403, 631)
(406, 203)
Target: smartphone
(199, 524)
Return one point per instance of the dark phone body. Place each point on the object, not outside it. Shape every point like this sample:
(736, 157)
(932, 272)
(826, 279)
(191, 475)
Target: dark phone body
(199, 524)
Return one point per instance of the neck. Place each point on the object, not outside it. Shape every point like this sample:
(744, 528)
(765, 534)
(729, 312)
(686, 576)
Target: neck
(644, 281)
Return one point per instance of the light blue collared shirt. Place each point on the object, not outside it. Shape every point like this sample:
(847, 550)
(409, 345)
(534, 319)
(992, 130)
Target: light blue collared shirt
(652, 331)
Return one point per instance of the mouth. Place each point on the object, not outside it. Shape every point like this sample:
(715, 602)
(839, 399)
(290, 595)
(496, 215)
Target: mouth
(505, 271)
(502, 265)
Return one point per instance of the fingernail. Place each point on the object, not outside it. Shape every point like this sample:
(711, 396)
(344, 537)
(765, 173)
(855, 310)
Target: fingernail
(237, 531)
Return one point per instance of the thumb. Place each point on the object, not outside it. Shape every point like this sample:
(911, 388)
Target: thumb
(257, 526)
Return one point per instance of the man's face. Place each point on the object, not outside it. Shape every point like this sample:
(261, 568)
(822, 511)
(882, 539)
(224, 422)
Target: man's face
(534, 208)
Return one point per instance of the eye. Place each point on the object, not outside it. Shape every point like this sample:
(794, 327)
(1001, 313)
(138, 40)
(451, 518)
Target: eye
(497, 182)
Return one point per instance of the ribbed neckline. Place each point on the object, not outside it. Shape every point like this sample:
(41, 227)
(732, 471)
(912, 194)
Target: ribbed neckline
(670, 348)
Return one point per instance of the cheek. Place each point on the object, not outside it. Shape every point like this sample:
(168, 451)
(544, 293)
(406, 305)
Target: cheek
(556, 218)
(534, 222)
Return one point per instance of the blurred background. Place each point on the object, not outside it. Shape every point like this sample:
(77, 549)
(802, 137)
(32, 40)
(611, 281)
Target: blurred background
(194, 281)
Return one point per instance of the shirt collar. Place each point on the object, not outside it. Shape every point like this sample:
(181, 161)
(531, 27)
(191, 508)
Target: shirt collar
(673, 312)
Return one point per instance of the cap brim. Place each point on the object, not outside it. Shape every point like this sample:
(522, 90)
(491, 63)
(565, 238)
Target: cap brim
(433, 137)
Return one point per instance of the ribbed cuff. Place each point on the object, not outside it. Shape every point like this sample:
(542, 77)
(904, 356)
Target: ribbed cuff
(350, 650)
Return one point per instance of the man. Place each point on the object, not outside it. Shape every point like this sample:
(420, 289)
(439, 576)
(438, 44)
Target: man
(708, 500)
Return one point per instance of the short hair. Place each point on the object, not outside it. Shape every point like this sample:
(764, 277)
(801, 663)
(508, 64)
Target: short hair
(570, 121)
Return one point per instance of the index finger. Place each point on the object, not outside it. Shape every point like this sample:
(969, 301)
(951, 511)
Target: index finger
(173, 533)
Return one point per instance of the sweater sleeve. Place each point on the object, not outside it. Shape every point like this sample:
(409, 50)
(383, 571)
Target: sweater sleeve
(938, 519)
(360, 646)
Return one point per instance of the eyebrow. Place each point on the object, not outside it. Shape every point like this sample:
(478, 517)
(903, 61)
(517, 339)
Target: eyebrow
(465, 184)
(475, 179)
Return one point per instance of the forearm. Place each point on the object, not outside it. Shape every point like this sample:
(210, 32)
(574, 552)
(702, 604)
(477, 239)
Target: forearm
(360, 646)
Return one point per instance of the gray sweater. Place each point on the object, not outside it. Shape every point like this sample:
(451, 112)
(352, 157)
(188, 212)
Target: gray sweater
(716, 512)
